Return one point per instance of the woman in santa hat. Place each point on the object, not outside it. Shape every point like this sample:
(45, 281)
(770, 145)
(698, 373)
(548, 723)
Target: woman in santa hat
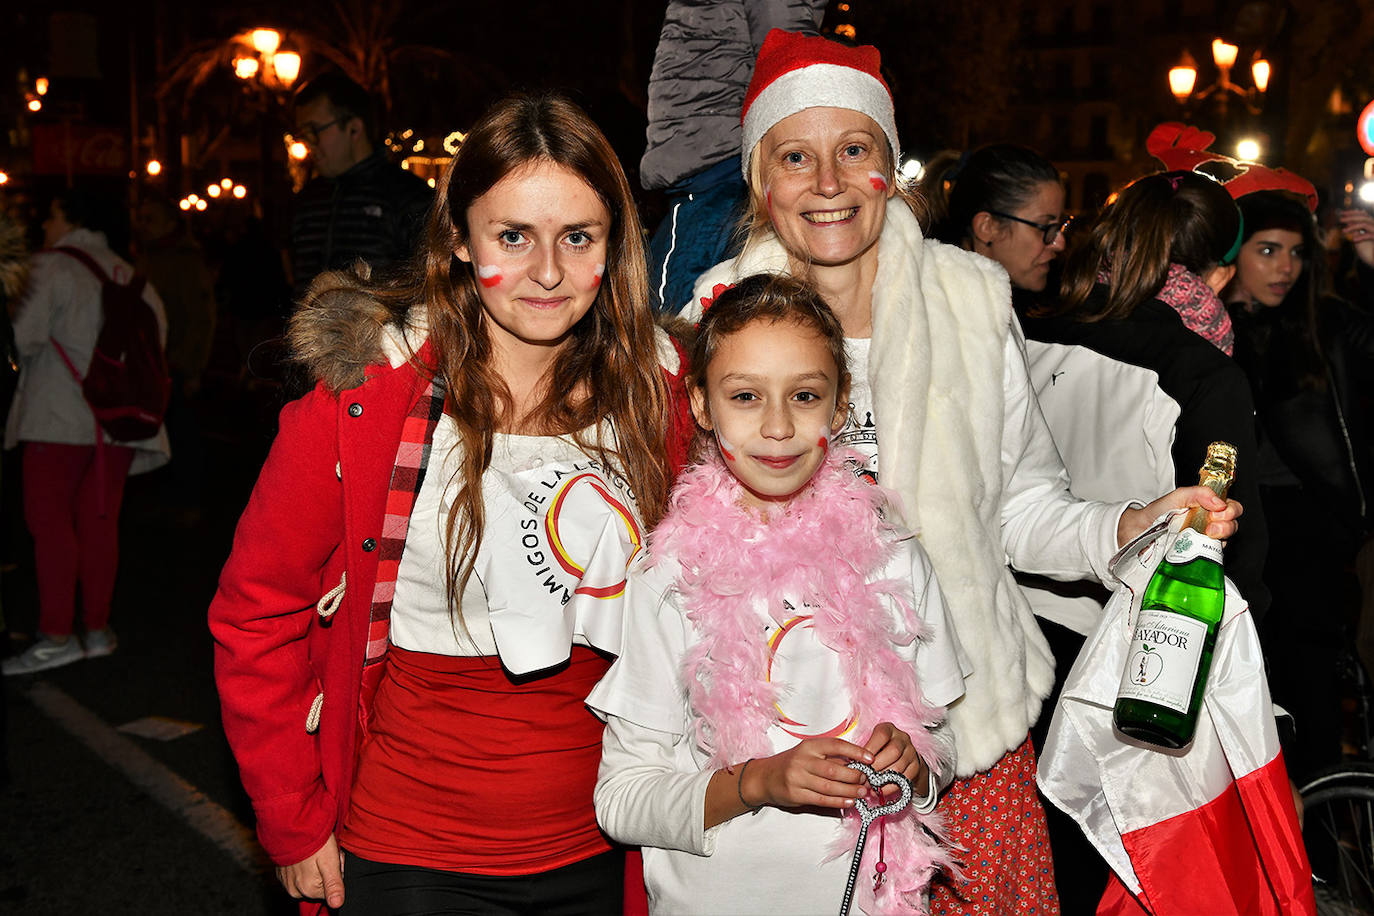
(942, 407)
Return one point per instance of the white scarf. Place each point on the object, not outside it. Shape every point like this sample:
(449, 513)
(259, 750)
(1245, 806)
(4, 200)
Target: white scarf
(942, 453)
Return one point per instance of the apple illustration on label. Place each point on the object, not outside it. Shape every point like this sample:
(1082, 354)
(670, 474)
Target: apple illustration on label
(1146, 665)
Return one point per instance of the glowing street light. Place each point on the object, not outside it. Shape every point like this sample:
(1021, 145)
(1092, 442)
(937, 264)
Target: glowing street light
(298, 150)
(287, 66)
(1183, 78)
(1224, 54)
(913, 169)
(214, 190)
(35, 105)
(266, 41)
(240, 191)
(245, 68)
(154, 168)
(201, 205)
(1248, 150)
(184, 204)
(40, 85)
(226, 183)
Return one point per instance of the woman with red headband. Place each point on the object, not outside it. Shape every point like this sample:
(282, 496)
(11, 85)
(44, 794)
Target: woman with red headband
(942, 408)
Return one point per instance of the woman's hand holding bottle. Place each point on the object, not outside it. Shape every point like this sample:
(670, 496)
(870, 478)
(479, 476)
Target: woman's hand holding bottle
(1221, 517)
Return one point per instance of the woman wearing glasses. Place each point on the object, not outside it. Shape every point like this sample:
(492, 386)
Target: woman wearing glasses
(1004, 202)
(943, 413)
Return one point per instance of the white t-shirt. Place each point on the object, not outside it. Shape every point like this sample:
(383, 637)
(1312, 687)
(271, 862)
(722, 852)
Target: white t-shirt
(652, 786)
(560, 530)
(859, 432)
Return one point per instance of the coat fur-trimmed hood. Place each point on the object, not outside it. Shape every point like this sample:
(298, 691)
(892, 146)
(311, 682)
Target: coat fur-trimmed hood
(338, 330)
(14, 260)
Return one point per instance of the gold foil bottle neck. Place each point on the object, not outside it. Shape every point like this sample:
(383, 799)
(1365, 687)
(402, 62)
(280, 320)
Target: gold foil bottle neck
(1219, 468)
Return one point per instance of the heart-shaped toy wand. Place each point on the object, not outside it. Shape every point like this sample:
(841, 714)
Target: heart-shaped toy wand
(870, 813)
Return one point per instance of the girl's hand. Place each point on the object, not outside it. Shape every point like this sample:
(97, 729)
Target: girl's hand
(891, 749)
(1221, 516)
(1358, 227)
(319, 877)
(815, 772)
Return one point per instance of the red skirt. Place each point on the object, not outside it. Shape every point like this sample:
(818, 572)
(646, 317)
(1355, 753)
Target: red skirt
(996, 817)
(465, 770)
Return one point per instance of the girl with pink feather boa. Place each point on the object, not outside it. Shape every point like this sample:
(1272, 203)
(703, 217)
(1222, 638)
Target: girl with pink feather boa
(781, 627)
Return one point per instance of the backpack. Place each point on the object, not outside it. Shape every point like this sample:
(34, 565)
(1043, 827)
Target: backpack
(127, 385)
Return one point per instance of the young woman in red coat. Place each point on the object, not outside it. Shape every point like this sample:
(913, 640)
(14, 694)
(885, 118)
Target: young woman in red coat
(427, 580)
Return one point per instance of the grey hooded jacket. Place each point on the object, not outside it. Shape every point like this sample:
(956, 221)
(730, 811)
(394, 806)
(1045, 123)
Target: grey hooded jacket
(705, 58)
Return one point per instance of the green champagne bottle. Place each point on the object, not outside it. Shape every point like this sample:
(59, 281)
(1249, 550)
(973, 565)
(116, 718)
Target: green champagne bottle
(1171, 646)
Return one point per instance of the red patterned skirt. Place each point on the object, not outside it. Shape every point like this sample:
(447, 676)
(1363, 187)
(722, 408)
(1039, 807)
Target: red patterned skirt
(996, 817)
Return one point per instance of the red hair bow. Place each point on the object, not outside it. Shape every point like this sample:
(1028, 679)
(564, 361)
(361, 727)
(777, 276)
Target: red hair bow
(708, 301)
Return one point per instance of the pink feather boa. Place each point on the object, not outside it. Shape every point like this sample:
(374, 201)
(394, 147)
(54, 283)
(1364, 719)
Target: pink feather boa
(827, 546)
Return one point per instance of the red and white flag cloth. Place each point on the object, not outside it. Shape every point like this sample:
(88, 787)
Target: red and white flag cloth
(1209, 829)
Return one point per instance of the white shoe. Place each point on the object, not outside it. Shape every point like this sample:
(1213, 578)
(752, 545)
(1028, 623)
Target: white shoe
(100, 642)
(44, 654)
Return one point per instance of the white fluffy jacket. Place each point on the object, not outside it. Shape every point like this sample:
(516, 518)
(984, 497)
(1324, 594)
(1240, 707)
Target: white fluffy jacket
(962, 440)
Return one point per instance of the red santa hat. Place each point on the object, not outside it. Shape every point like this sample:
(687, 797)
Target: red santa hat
(795, 72)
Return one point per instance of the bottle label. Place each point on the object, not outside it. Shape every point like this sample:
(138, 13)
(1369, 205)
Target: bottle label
(1166, 649)
(1189, 545)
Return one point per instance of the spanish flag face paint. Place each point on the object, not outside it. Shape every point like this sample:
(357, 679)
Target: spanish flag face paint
(770, 400)
(489, 275)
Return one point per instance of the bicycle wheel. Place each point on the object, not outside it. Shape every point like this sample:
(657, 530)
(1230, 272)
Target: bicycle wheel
(1349, 773)
(1338, 831)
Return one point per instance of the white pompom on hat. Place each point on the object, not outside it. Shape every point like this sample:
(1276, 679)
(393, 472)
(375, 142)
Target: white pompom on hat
(795, 72)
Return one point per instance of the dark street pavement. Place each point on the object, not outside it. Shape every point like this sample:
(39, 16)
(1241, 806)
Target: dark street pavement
(96, 820)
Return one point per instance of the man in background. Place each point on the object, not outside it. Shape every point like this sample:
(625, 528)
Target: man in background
(358, 205)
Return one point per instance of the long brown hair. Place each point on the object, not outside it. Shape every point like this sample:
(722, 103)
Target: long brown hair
(610, 356)
(1161, 219)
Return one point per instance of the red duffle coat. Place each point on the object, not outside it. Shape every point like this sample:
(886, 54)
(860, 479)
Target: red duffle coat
(312, 523)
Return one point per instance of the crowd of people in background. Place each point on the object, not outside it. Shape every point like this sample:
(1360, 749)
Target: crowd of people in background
(574, 504)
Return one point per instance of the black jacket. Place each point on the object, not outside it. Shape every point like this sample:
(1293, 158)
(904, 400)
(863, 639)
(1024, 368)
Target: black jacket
(374, 211)
(1313, 408)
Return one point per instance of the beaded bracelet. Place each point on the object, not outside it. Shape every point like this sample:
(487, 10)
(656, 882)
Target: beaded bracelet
(753, 809)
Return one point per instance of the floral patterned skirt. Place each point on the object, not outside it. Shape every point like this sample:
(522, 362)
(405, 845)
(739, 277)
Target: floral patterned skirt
(996, 817)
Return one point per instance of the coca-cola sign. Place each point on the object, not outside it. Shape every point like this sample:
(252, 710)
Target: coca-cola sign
(79, 149)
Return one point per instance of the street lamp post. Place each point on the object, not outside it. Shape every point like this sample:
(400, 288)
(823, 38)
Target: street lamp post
(1183, 77)
(259, 59)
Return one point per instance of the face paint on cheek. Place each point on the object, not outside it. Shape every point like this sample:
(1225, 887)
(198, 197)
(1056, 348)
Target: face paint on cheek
(823, 440)
(727, 450)
(598, 274)
(489, 275)
(878, 180)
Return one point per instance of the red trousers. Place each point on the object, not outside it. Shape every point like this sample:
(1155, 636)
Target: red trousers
(72, 510)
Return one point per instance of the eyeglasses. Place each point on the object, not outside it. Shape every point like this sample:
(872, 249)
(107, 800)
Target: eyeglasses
(310, 133)
(1048, 231)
